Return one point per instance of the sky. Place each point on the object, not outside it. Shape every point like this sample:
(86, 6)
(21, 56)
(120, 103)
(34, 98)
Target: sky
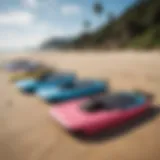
(28, 23)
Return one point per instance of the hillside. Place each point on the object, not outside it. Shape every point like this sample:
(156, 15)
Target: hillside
(139, 27)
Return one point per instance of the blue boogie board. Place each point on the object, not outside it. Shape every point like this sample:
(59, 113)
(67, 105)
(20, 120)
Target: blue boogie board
(51, 81)
(77, 90)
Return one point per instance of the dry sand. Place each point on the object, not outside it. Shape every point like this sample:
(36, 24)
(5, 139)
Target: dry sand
(28, 133)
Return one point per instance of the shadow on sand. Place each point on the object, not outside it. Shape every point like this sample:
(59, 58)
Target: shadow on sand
(147, 116)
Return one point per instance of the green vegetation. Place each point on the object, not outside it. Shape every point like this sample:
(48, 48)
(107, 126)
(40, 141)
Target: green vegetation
(148, 39)
(138, 27)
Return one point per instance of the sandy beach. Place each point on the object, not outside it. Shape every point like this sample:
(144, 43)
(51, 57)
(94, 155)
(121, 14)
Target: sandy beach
(28, 132)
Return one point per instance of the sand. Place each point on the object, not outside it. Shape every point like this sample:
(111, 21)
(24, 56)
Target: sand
(28, 132)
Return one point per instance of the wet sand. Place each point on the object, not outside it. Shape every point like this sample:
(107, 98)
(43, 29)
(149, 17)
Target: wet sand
(28, 132)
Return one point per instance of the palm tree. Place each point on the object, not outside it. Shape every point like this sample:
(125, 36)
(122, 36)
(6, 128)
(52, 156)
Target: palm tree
(111, 17)
(87, 25)
(98, 8)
